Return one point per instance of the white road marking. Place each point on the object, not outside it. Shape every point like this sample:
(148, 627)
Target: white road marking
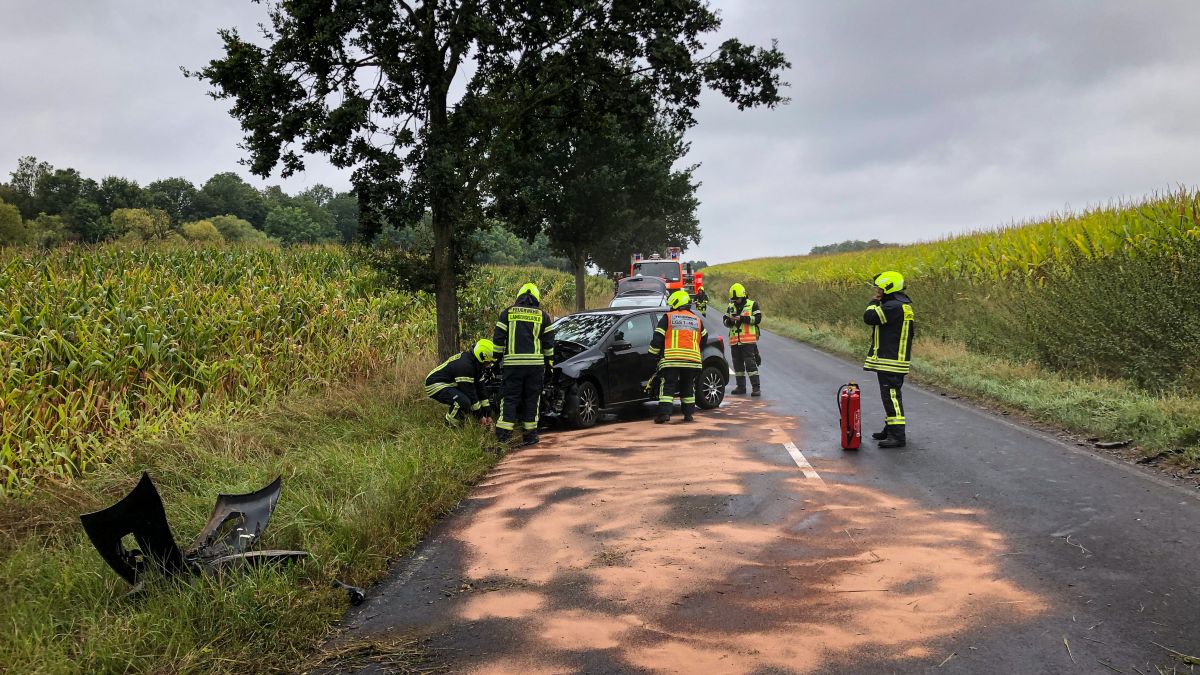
(806, 468)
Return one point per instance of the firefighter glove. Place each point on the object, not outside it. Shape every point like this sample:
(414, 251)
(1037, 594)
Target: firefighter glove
(757, 359)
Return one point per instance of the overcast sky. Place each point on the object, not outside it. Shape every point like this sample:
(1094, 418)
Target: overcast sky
(908, 120)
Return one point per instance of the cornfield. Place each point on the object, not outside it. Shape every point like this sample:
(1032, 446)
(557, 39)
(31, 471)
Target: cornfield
(1021, 252)
(100, 343)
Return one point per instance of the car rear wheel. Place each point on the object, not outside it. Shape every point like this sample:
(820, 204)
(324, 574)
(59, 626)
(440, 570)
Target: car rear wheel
(710, 389)
(586, 411)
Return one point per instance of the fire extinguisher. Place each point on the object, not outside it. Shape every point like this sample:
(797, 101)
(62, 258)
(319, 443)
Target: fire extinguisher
(849, 400)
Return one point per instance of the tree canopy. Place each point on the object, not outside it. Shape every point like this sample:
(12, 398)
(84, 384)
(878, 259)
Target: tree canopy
(370, 84)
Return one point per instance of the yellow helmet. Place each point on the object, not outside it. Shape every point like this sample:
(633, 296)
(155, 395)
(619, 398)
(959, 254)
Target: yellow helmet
(531, 289)
(679, 299)
(485, 351)
(737, 291)
(890, 282)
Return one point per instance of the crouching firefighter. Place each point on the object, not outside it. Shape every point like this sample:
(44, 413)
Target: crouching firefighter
(890, 316)
(525, 345)
(743, 317)
(458, 384)
(678, 341)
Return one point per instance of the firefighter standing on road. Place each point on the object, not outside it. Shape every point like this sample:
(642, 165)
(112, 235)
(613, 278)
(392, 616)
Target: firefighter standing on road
(743, 317)
(525, 343)
(701, 300)
(456, 383)
(890, 316)
(679, 338)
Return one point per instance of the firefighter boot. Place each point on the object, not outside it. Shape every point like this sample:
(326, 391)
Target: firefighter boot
(741, 385)
(531, 438)
(755, 386)
(880, 435)
(895, 437)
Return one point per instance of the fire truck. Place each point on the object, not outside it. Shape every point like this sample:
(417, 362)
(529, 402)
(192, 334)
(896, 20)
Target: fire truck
(672, 269)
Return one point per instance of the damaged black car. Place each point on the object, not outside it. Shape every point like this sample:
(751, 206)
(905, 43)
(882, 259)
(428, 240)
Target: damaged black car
(603, 362)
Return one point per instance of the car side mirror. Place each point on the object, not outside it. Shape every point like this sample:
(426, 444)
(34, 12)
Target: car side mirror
(620, 346)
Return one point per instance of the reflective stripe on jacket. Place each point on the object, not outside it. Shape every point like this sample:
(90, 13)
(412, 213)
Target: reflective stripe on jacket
(892, 331)
(523, 336)
(680, 337)
(743, 333)
(462, 371)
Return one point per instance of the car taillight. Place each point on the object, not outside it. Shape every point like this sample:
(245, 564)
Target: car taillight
(721, 341)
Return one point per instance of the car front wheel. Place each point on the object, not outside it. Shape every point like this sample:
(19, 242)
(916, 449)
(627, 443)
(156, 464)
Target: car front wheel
(710, 389)
(586, 411)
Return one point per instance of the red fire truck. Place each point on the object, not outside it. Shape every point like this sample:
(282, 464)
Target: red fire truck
(672, 269)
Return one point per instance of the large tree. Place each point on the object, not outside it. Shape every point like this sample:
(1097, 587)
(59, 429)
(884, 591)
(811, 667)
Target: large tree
(412, 94)
(226, 194)
(595, 172)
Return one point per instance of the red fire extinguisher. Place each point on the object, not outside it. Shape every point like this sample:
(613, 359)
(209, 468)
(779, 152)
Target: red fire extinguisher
(850, 409)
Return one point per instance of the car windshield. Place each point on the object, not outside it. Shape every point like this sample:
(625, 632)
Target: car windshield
(658, 268)
(639, 300)
(583, 329)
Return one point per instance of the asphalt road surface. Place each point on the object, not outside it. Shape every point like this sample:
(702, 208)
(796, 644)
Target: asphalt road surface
(749, 542)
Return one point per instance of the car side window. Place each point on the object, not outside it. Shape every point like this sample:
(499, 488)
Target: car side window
(637, 330)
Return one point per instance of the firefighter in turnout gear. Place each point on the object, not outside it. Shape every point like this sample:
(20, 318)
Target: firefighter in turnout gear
(678, 341)
(457, 384)
(743, 317)
(700, 300)
(525, 346)
(890, 316)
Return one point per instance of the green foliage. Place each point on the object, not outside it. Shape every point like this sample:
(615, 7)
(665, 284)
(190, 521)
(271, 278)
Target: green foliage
(175, 196)
(117, 193)
(237, 231)
(227, 194)
(48, 231)
(101, 343)
(367, 94)
(142, 224)
(12, 227)
(848, 245)
(358, 462)
(295, 225)
(201, 232)
(1022, 253)
(498, 245)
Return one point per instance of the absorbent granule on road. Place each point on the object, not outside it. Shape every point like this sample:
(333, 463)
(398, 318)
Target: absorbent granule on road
(697, 548)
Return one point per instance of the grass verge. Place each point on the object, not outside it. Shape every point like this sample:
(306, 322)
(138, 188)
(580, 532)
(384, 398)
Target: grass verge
(1097, 407)
(367, 469)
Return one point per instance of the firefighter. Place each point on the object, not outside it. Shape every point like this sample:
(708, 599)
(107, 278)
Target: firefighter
(700, 299)
(743, 317)
(890, 316)
(525, 344)
(678, 341)
(457, 383)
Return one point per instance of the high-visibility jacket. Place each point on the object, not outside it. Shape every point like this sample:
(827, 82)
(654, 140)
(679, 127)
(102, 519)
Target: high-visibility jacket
(463, 372)
(523, 336)
(892, 330)
(741, 333)
(679, 337)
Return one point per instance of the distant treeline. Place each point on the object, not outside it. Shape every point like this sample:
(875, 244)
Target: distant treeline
(44, 206)
(848, 245)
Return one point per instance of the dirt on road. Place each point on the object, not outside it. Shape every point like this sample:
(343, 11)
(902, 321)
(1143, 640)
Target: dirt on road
(699, 547)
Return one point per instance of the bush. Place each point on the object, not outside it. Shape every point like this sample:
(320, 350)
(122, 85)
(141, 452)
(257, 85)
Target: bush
(202, 232)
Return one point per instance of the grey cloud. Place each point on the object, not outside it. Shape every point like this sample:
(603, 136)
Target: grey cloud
(910, 119)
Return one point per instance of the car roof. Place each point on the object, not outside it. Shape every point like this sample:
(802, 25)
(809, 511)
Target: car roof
(617, 311)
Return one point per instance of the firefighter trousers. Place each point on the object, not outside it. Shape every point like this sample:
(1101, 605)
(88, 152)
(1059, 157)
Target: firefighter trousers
(893, 402)
(681, 381)
(745, 364)
(459, 404)
(521, 387)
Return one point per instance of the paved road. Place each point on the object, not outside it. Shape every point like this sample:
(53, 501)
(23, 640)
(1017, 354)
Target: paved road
(982, 547)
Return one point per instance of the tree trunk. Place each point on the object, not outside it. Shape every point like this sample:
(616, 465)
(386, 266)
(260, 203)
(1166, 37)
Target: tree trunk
(580, 262)
(447, 284)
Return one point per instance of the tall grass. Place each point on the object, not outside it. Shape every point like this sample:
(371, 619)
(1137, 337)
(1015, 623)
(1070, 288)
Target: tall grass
(99, 343)
(1105, 299)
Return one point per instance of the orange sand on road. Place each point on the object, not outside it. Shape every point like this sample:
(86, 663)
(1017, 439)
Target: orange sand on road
(703, 555)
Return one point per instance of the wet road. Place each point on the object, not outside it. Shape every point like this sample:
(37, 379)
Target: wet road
(748, 542)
